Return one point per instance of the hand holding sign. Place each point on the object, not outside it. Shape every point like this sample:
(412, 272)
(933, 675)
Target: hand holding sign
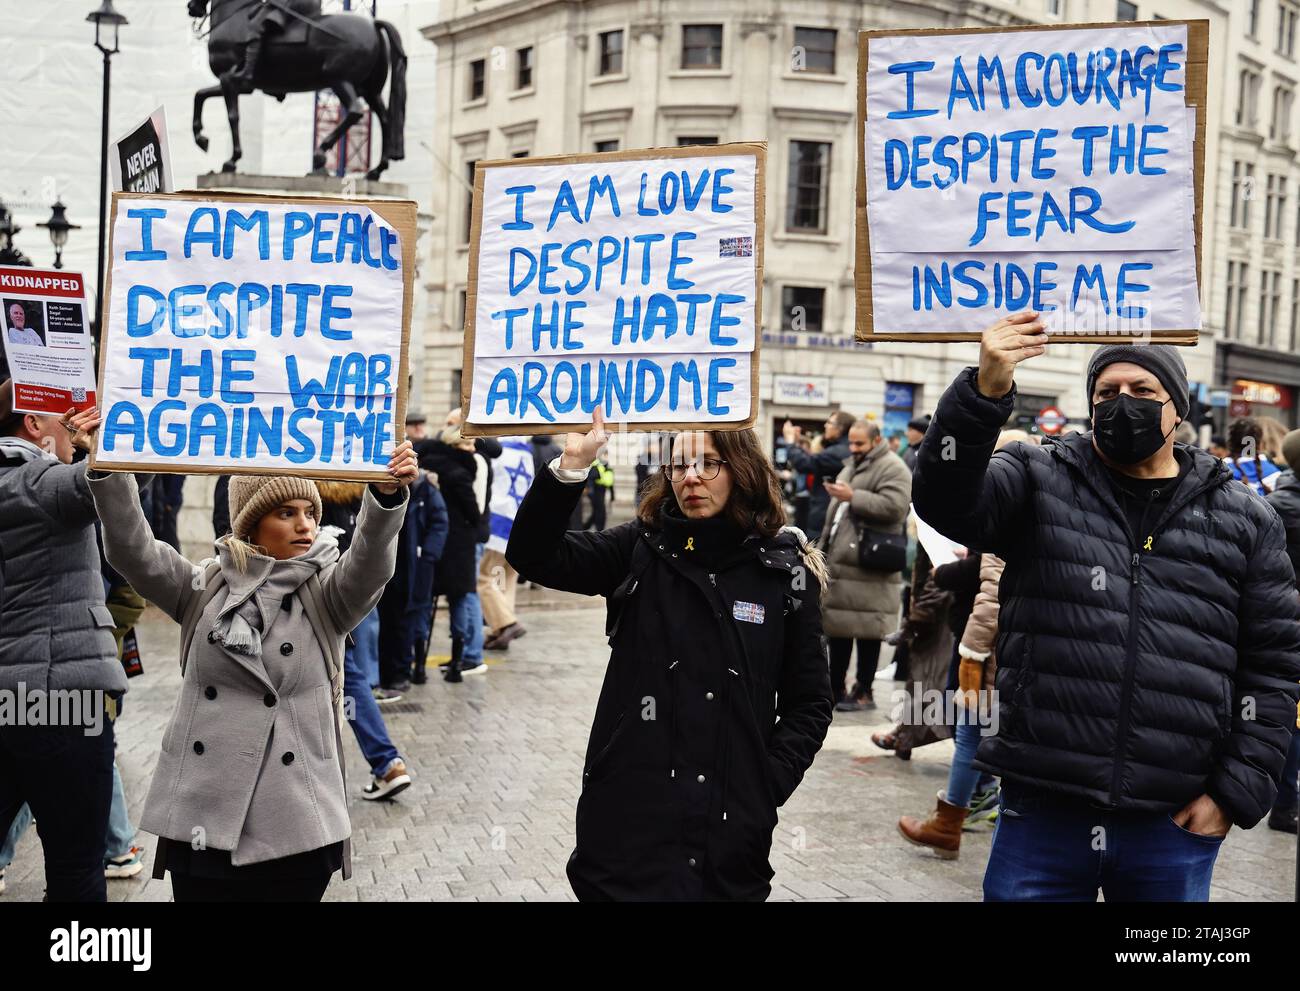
(83, 426)
(580, 450)
(1004, 345)
(402, 466)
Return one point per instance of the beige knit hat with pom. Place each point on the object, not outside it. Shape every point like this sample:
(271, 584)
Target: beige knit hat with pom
(253, 496)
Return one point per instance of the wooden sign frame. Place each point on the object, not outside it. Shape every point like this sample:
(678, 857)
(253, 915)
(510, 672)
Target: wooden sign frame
(756, 148)
(399, 214)
(1195, 75)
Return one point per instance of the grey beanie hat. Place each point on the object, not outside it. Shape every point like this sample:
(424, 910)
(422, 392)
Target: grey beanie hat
(1161, 360)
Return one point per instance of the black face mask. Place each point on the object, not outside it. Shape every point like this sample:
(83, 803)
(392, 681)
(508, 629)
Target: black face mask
(1127, 430)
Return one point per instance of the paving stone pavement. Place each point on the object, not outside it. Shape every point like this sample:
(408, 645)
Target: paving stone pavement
(496, 764)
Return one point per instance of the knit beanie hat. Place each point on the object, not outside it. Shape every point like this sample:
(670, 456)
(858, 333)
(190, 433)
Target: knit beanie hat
(253, 496)
(1291, 450)
(1161, 360)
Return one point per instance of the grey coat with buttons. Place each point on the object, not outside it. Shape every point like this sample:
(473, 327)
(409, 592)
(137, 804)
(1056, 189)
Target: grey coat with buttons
(249, 762)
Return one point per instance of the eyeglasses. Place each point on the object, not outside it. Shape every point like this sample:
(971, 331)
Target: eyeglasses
(705, 468)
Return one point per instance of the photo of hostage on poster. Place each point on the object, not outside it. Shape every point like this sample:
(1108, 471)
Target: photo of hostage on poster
(1056, 170)
(45, 340)
(255, 335)
(629, 281)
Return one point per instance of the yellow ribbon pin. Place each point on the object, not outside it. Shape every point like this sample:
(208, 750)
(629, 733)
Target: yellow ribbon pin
(1147, 545)
(690, 543)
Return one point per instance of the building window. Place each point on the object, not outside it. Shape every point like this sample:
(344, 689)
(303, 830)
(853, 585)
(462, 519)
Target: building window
(469, 198)
(802, 308)
(1243, 191)
(702, 46)
(1248, 98)
(1054, 7)
(611, 145)
(1238, 273)
(462, 308)
(611, 53)
(1126, 11)
(1270, 301)
(1252, 20)
(477, 79)
(818, 48)
(1286, 18)
(1279, 128)
(806, 189)
(697, 139)
(524, 68)
(900, 405)
(520, 154)
(1274, 205)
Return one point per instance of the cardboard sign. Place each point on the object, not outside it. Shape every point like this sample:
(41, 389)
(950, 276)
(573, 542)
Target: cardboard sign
(255, 335)
(45, 340)
(629, 280)
(1057, 169)
(139, 162)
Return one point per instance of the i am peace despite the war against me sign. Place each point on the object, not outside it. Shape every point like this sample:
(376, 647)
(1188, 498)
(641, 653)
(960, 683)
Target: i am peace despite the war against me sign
(256, 335)
(628, 281)
(1053, 169)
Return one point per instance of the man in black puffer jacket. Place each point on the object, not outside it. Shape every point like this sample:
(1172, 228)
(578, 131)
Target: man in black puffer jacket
(1149, 642)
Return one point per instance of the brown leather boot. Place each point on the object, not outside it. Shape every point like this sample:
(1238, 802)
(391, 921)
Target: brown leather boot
(941, 831)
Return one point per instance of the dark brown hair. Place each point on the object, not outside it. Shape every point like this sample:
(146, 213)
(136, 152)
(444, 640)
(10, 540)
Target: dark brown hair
(755, 501)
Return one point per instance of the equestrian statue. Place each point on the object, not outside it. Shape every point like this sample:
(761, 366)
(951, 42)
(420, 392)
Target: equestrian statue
(289, 46)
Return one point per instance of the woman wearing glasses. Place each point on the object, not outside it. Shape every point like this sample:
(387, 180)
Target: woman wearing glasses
(715, 627)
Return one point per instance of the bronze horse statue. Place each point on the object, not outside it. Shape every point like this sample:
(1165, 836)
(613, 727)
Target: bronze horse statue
(346, 53)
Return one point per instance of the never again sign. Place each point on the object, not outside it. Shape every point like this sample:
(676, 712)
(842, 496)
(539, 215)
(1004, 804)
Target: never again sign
(1051, 170)
(252, 334)
(626, 281)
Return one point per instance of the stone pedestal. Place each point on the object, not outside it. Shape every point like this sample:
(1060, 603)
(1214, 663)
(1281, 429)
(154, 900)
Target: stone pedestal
(195, 522)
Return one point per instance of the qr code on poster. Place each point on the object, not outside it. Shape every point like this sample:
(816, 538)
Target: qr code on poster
(79, 395)
(736, 247)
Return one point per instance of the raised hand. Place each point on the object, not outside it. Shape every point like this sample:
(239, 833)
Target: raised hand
(83, 426)
(402, 466)
(580, 450)
(1007, 343)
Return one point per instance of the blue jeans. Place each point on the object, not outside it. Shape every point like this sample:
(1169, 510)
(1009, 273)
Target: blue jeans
(1048, 851)
(367, 723)
(1286, 790)
(120, 830)
(21, 821)
(962, 777)
(366, 637)
(467, 619)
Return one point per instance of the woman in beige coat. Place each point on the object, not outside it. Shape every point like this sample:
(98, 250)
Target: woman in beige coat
(873, 491)
(248, 796)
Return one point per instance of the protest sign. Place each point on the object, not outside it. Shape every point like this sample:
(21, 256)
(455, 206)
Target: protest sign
(46, 342)
(255, 334)
(1056, 168)
(139, 162)
(629, 280)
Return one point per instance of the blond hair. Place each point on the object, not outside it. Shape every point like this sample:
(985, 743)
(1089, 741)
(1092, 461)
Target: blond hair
(241, 551)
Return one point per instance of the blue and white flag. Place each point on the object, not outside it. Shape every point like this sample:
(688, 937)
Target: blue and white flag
(512, 474)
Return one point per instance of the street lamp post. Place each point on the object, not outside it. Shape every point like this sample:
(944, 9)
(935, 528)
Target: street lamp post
(58, 226)
(106, 21)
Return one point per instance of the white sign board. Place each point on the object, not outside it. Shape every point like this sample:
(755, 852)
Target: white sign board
(628, 281)
(1049, 170)
(801, 390)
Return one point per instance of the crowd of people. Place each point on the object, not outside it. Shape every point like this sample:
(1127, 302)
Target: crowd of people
(1106, 623)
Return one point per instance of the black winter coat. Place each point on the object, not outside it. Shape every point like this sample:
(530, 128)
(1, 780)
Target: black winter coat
(456, 573)
(1285, 498)
(1123, 673)
(686, 764)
